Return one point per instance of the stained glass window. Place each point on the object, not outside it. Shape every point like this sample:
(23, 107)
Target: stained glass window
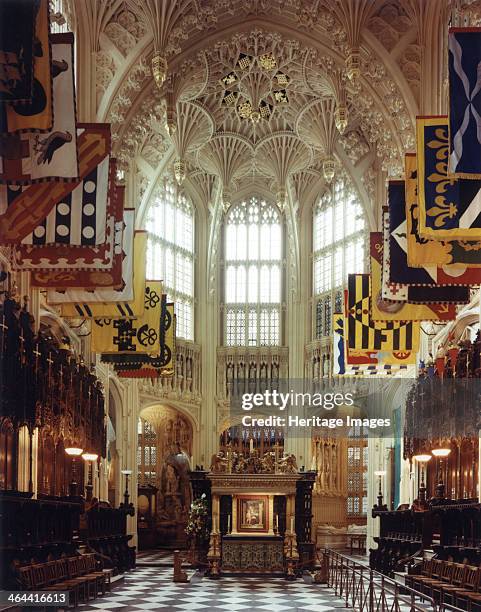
(253, 274)
(170, 253)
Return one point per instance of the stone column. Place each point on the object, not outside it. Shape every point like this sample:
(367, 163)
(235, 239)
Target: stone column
(207, 327)
(296, 333)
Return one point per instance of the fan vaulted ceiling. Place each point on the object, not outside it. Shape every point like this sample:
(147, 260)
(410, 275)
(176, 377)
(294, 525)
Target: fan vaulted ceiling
(274, 93)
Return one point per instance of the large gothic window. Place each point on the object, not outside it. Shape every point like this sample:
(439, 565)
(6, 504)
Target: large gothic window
(253, 274)
(170, 253)
(338, 250)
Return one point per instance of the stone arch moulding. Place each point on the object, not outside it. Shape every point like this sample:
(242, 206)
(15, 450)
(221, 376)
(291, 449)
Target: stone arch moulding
(182, 409)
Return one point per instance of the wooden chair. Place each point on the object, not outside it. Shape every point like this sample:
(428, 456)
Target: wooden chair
(92, 581)
(443, 592)
(91, 567)
(415, 581)
(74, 576)
(56, 582)
(471, 585)
(444, 579)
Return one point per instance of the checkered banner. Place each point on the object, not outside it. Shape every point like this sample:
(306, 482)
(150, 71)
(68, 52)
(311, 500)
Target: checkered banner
(114, 277)
(67, 256)
(346, 357)
(366, 334)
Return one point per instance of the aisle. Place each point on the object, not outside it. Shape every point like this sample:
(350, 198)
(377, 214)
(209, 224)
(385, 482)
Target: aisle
(152, 589)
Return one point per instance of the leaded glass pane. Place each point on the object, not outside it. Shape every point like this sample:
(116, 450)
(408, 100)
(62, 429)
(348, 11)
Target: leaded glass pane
(338, 247)
(170, 252)
(253, 265)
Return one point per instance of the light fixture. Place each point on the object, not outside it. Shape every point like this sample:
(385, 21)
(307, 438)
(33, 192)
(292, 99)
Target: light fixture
(159, 69)
(74, 452)
(422, 459)
(440, 454)
(179, 170)
(341, 118)
(353, 64)
(379, 474)
(126, 473)
(90, 456)
(329, 169)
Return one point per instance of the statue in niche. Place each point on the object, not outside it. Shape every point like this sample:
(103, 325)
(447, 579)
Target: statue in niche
(175, 494)
(171, 480)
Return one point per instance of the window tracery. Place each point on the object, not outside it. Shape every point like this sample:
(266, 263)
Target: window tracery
(170, 253)
(338, 250)
(253, 274)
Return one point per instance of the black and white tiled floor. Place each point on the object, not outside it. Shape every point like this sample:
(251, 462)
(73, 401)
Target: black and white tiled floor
(151, 588)
(155, 557)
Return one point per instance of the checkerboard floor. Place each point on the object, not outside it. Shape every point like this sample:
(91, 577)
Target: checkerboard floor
(155, 557)
(151, 588)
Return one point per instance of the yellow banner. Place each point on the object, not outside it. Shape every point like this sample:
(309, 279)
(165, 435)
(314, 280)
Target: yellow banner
(140, 335)
(366, 334)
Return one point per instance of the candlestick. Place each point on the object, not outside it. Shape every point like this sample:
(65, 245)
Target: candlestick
(292, 524)
(277, 523)
(251, 445)
(228, 523)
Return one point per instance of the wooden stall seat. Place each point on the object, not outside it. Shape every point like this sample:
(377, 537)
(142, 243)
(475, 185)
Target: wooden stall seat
(78, 575)
(445, 574)
(425, 571)
(442, 591)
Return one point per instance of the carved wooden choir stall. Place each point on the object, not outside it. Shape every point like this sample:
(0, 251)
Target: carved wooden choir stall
(441, 444)
(50, 398)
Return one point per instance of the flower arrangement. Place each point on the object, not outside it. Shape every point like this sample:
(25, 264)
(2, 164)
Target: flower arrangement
(198, 522)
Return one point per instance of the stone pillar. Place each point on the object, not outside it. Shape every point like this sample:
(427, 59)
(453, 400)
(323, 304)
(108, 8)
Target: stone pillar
(207, 327)
(298, 293)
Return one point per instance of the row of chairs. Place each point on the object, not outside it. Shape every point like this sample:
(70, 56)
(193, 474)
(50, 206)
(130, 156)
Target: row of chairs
(449, 583)
(77, 575)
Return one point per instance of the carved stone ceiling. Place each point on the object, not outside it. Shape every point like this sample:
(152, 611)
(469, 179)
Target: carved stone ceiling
(259, 89)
